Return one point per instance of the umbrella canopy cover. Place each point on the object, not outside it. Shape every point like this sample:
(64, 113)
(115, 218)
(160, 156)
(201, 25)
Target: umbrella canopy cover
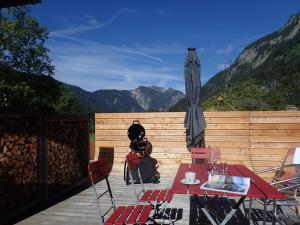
(194, 121)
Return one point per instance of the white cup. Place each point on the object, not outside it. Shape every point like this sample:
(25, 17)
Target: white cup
(190, 177)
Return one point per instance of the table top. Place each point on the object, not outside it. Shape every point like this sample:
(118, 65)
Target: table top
(259, 188)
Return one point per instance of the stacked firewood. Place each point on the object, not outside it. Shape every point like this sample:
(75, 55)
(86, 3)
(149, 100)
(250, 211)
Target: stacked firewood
(67, 152)
(19, 158)
(62, 163)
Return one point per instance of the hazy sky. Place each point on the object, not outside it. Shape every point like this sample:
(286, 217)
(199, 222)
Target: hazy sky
(122, 44)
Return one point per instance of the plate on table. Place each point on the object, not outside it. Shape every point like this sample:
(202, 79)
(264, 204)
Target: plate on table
(183, 181)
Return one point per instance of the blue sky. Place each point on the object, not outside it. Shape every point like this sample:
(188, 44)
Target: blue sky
(122, 44)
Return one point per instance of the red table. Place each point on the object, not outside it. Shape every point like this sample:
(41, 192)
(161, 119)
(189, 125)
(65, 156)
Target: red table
(259, 188)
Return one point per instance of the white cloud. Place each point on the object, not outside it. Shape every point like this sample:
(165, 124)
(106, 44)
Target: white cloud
(162, 12)
(90, 24)
(202, 49)
(138, 53)
(92, 66)
(163, 48)
(227, 50)
(222, 66)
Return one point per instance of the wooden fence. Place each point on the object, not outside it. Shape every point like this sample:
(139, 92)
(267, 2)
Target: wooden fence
(255, 139)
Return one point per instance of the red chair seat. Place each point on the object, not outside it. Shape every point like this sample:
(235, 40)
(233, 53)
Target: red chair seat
(164, 195)
(129, 215)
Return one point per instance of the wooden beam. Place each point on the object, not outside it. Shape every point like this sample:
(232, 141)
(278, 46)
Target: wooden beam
(14, 3)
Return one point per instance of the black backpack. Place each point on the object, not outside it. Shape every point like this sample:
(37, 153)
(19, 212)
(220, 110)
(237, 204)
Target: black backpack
(147, 169)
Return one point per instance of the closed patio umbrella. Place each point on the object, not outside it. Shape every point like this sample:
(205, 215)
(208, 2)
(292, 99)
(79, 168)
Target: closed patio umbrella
(194, 121)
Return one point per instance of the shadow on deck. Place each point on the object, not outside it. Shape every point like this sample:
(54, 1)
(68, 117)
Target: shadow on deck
(218, 208)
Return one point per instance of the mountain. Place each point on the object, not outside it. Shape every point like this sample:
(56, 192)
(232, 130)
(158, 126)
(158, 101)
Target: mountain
(156, 98)
(272, 63)
(138, 100)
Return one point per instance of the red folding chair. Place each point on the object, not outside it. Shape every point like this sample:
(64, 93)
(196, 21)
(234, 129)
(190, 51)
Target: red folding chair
(287, 177)
(158, 198)
(138, 214)
(200, 153)
(286, 170)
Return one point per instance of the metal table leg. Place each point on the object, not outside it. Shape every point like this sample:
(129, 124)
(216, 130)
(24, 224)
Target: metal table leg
(274, 211)
(265, 211)
(250, 210)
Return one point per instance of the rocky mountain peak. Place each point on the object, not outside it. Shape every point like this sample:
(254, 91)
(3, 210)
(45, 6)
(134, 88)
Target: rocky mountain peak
(258, 52)
(156, 98)
(158, 89)
(293, 19)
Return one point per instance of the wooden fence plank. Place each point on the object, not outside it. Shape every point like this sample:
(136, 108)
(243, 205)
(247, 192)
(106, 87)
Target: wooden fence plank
(273, 114)
(228, 138)
(211, 132)
(274, 126)
(274, 139)
(146, 126)
(148, 132)
(228, 126)
(136, 116)
(230, 120)
(275, 145)
(158, 120)
(275, 133)
(151, 138)
(226, 114)
(292, 119)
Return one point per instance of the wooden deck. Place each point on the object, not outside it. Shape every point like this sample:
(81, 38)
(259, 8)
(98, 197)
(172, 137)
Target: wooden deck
(81, 209)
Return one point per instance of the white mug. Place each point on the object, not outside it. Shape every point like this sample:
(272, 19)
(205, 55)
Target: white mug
(190, 177)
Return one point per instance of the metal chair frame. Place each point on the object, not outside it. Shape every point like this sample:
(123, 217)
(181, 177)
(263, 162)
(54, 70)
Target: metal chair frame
(290, 201)
(287, 181)
(138, 214)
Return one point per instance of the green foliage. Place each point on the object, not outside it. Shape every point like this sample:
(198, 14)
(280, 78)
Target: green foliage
(244, 96)
(295, 51)
(42, 92)
(64, 101)
(278, 77)
(25, 66)
(22, 43)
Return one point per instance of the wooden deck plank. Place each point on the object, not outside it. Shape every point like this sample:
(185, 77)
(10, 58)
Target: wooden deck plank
(81, 208)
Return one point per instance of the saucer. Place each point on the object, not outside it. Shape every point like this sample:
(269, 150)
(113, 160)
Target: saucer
(183, 181)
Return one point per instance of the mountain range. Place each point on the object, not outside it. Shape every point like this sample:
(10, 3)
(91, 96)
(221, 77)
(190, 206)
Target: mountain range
(138, 100)
(271, 62)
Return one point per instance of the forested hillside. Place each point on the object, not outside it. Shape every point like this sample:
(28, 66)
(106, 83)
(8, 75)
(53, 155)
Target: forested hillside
(265, 76)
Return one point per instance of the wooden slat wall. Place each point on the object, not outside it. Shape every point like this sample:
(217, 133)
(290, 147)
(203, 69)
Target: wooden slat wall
(255, 139)
(230, 132)
(166, 132)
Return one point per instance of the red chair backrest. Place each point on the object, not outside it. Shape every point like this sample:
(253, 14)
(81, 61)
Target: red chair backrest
(132, 160)
(200, 153)
(98, 170)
